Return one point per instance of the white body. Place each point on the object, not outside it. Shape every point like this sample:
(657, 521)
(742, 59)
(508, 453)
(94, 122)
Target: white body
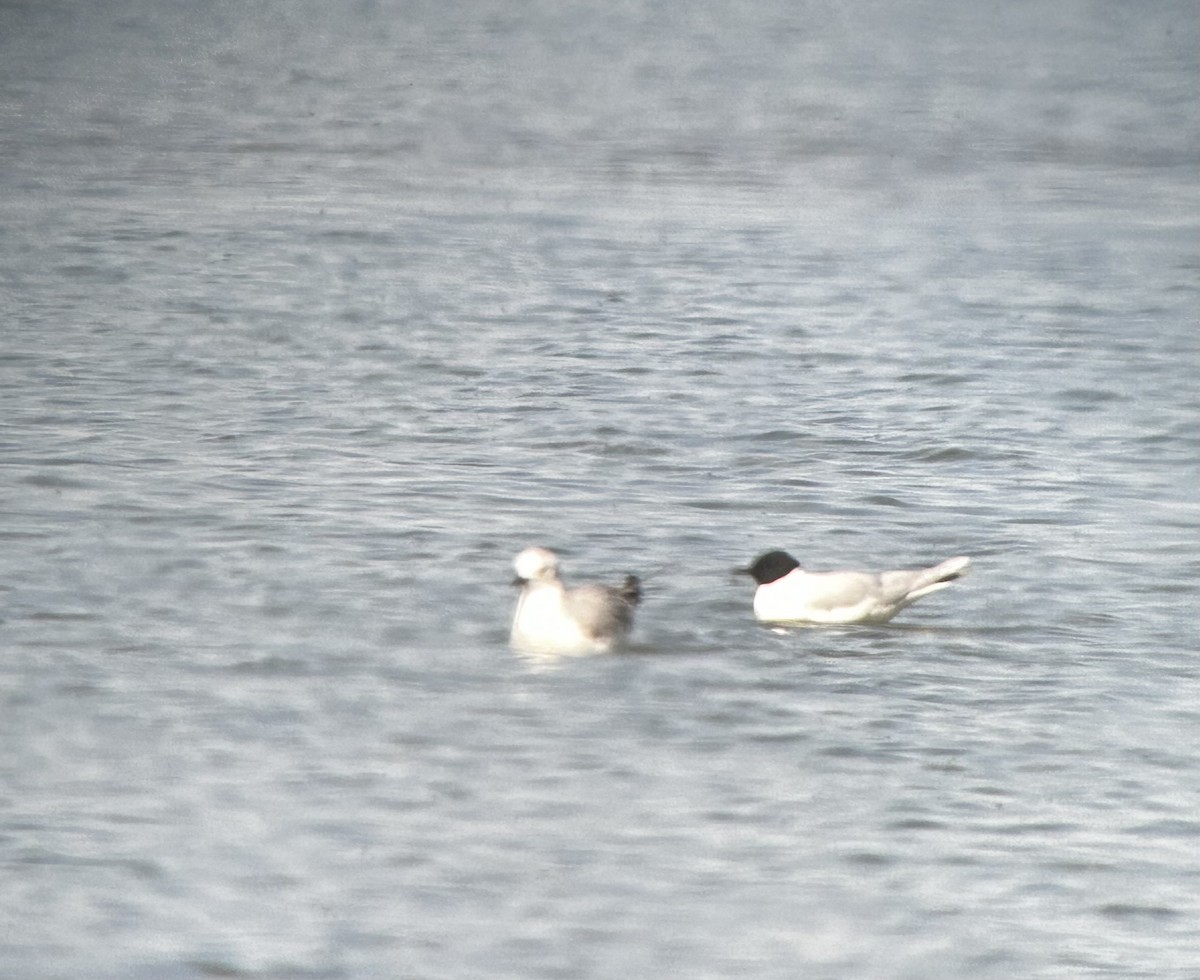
(542, 624)
(827, 598)
(552, 619)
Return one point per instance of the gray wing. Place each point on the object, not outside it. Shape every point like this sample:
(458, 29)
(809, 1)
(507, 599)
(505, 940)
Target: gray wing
(839, 590)
(600, 610)
(914, 583)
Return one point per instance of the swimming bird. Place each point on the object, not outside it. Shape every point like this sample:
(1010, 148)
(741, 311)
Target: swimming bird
(552, 619)
(788, 595)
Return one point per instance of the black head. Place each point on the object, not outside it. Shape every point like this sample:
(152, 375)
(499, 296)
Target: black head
(771, 566)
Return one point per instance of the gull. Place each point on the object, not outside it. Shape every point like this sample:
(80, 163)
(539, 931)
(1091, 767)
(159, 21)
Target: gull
(788, 595)
(552, 619)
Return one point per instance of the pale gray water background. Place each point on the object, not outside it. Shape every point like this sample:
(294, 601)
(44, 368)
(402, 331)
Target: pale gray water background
(314, 314)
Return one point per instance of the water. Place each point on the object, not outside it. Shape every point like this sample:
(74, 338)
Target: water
(314, 315)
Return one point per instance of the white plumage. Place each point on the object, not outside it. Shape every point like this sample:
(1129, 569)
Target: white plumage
(552, 619)
(788, 595)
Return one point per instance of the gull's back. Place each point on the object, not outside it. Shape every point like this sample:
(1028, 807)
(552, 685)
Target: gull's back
(602, 612)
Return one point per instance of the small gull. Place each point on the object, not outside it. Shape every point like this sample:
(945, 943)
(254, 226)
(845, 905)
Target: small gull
(552, 619)
(788, 595)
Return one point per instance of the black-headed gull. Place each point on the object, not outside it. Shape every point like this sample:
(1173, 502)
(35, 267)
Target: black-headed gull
(788, 595)
(552, 619)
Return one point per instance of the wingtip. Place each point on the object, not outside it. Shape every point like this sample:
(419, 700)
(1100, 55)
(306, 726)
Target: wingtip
(631, 590)
(956, 567)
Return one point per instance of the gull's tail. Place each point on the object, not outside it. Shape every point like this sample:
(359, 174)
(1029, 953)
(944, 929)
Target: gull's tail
(631, 590)
(938, 577)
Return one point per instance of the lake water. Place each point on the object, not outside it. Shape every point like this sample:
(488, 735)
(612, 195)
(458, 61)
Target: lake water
(314, 314)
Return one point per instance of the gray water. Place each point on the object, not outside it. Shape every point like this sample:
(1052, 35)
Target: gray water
(314, 314)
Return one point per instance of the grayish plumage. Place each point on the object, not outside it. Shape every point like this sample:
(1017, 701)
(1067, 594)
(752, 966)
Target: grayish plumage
(788, 595)
(553, 619)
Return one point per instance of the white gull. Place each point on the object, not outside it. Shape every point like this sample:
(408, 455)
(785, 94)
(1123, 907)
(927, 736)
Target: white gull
(789, 595)
(552, 619)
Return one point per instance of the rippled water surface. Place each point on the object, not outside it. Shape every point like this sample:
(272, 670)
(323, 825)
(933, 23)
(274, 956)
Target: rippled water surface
(314, 315)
